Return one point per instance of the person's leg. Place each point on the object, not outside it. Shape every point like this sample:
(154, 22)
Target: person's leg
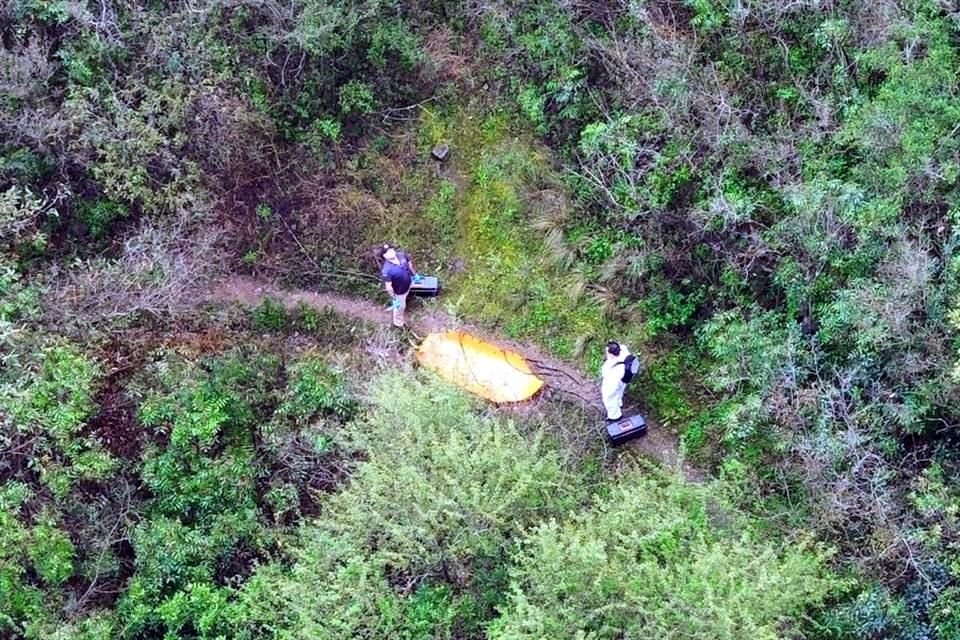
(399, 310)
(612, 400)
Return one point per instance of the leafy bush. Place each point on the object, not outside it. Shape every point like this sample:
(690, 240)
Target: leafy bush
(100, 214)
(19, 299)
(22, 601)
(51, 552)
(356, 97)
(439, 489)
(204, 506)
(269, 315)
(315, 389)
(22, 215)
(651, 559)
(427, 451)
(51, 401)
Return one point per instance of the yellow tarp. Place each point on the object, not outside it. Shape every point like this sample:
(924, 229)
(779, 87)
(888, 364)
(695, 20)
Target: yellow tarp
(480, 367)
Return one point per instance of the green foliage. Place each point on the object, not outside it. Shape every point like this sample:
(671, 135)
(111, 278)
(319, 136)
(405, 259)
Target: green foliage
(946, 613)
(907, 127)
(509, 274)
(52, 401)
(49, 11)
(356, 97)
(746, 351)
(325, 325)
(61, 396)
(19, 300)
(531, 103)
(100, 214)
(22, 599)
(708, 15)
(441, 210)
(670, 308)
(269, 315)
(439, 489)
(204, 506)
(200, 609)
(327, 129)
(768, 190)
(133, 143)
(314, 389)
(649, 560)
(447, 485)
(23, 165)
(395, 40)
(51, 552)
(665, 388)
(874, 614)
(264, 212)
(22, 215)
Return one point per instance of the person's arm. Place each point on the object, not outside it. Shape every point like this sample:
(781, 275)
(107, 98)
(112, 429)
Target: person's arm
(387, 282)
(409, 262)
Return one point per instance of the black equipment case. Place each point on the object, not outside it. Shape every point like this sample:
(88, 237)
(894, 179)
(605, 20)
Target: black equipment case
(428, 287)
(625, 429)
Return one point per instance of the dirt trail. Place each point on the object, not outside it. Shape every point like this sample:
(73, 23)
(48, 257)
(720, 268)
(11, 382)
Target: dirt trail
(559, 376)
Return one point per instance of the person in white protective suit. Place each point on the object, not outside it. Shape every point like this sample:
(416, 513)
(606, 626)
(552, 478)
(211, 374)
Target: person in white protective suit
(618, 369)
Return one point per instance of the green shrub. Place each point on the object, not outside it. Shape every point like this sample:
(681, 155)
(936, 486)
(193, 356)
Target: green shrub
(649, 560)
(52, 400)
(100, 214)
(395, 40)
(531, 102)
(439, 488)
(199, 611)
(325, 325)
(23, 165)
(428, 452)
(747, 351)
(905, 130)
(874, 615)
(22, 215)
(356, 97)
(51, 552)
(708, 15)
(204, 506)
(21, 600)
(134, 144)
(46, 11)
(315, 389)
(19, 299)
(269, 315)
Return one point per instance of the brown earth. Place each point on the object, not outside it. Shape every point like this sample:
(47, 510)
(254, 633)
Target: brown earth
(560, 377)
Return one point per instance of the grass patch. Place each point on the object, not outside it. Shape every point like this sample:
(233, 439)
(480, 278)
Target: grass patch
(469, 221)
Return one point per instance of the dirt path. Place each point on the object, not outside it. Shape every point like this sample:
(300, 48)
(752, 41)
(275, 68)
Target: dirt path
(559, 376)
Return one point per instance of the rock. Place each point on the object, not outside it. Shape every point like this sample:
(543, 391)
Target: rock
(441, 152)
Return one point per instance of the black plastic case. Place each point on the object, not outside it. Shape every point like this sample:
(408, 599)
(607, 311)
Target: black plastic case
(626, 429)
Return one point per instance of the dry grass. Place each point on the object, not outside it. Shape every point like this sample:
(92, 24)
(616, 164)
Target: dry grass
(162, 270)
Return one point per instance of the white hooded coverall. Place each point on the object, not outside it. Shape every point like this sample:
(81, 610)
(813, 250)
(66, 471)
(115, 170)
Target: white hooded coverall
(612, 385)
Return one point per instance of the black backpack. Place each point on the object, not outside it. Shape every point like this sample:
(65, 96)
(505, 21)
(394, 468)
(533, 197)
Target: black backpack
(631, 367)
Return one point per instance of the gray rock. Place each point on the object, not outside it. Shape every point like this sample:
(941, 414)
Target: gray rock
(441, 152)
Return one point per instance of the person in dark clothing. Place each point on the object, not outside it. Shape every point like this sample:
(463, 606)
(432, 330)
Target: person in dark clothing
(397, 275)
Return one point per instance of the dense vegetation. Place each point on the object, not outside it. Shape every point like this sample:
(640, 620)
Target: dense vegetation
(760, 196)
